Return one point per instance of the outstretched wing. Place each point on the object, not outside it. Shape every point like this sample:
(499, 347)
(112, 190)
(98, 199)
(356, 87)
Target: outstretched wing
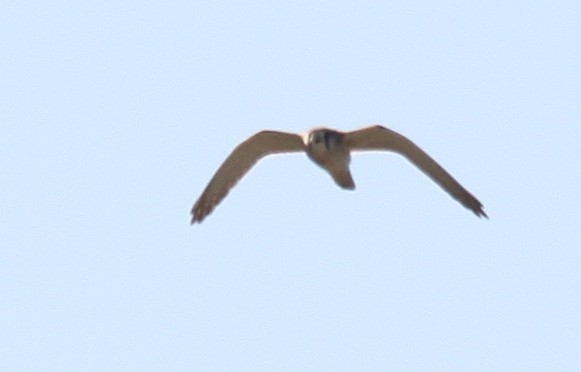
(239, 162)
(380, 138)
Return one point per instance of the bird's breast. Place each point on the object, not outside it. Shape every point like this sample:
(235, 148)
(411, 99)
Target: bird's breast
(336, 158)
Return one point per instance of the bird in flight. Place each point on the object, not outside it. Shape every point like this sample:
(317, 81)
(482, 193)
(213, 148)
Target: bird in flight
(331, 150)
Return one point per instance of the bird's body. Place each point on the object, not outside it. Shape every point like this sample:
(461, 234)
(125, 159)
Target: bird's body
(326, 148)
(331, 150)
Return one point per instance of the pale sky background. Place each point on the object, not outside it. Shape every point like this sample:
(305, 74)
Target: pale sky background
(115, 114)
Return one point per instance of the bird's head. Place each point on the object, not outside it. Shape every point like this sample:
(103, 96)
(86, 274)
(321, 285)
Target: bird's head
(324, 138)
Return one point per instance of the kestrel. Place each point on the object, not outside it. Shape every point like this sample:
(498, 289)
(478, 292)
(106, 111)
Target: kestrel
(331, 150)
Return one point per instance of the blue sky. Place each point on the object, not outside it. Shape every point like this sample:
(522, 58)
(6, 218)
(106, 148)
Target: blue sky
(115, 115)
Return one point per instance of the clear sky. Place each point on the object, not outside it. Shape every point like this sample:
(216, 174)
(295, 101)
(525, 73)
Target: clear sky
(114, 115)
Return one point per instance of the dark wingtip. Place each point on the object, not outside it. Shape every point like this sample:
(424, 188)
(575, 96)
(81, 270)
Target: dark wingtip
(480, 213)
(471, 203)
(476, 208)
(197, 217)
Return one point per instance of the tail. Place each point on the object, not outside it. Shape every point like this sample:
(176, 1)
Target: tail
(343, 178)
